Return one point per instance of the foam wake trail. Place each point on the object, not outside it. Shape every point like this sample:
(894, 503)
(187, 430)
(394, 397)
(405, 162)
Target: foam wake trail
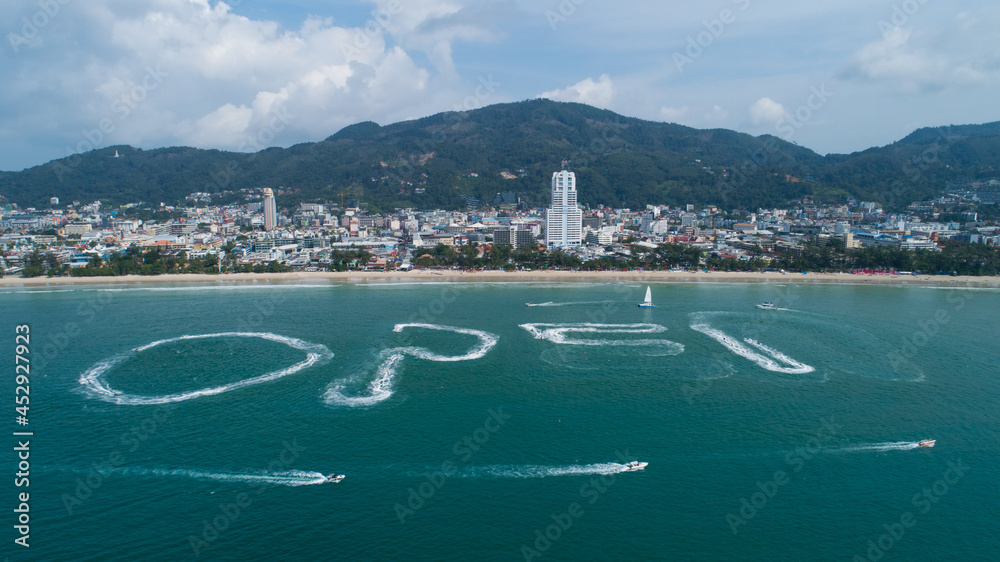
(771, 359)
(486, 343)
(279, 478)
(581, 303)
(536, 471)
(559, 334)
(380, 388)
(95, 384)
(888, 446)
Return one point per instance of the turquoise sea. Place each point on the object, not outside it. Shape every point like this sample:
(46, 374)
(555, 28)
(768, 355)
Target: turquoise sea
(176, 422)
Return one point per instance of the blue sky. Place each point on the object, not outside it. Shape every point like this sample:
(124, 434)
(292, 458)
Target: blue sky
(831, 76)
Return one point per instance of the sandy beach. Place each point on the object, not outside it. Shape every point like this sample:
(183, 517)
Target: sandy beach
(513, 276)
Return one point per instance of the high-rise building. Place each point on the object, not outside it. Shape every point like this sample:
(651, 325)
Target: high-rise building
(270, 210)
(564, 219)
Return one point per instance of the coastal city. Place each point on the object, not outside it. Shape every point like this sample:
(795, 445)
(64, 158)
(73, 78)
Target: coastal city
(257, 234)
(501, 280)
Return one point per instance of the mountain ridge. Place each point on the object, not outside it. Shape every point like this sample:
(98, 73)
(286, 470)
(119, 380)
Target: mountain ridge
(447, 159)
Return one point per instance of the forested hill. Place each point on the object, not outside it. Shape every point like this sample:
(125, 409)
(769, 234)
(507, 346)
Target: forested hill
(453, 159)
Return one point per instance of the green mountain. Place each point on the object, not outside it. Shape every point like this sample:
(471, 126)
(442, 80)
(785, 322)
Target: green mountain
(451, 159)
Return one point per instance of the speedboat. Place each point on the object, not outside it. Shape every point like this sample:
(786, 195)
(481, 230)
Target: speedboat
(767, 306)
(927, 443)
(334, 478)
(635, 465)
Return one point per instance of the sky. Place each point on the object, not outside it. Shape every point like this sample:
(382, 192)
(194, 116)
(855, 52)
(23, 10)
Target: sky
(835, 77)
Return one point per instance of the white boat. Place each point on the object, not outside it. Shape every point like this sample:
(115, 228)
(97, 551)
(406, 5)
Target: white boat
(767, 306)
(636, 465)
(335, 478)
(927, 443)
(648, 303)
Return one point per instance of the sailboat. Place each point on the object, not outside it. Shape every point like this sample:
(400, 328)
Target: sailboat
(648, 303)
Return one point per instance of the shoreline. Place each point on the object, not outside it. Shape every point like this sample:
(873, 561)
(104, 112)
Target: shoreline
(431, 276)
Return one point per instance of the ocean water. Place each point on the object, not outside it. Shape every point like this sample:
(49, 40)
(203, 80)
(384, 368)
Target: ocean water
(197, 422)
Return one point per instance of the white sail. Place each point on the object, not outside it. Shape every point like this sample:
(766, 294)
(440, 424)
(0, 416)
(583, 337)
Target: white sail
(649, 298)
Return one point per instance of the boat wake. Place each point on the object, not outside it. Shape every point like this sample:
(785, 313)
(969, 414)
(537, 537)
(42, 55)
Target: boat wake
(534, 471)
(380, 388)
(280, 478)
(888, 446)
(581, 303)
(559, 334)
(768, 358)
(95, 385)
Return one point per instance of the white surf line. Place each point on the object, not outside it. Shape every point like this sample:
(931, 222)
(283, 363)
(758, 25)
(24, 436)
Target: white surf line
(279, 478)
(381, 387)
(241, 286)
(95, 384)
(558, 334)
(772, 361)
(539, 471)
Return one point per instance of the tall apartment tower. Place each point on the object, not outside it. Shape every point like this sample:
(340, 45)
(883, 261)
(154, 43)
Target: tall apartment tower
(564, 219)
(270, 210)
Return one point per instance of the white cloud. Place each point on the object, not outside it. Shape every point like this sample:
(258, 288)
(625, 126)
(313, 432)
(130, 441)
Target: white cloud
(224, 76)
(222, 127)
(433, 26)
(390, 60)
(674, 114)
(716, 115)
(598, 94)
(929, 61)
(766, 111)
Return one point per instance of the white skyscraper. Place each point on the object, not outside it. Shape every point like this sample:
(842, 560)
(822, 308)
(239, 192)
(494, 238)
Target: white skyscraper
(270, 210)
(564, 219)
